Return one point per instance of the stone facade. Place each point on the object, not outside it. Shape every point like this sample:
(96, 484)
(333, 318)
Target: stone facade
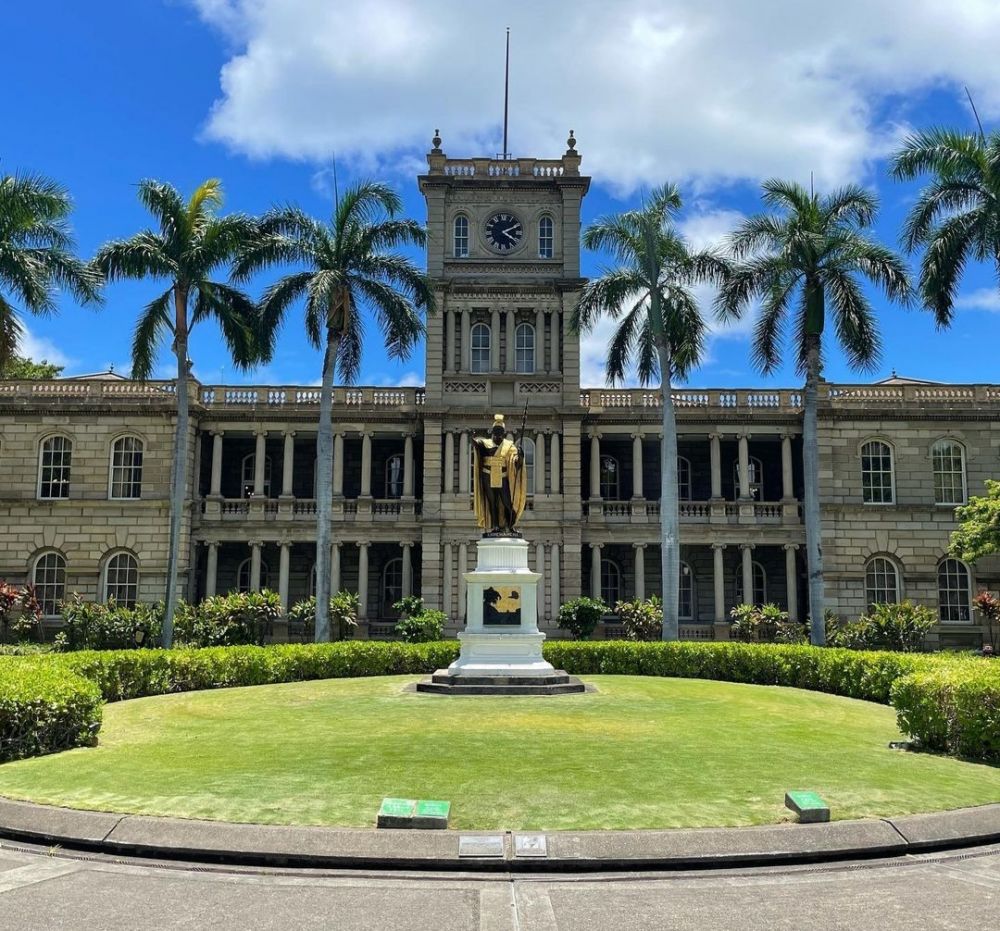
(895, 458)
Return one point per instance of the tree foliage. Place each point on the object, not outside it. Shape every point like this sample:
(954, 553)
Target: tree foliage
(21, 368)
(978, 531)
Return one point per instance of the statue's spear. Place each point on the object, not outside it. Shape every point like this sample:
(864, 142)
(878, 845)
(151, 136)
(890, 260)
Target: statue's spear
(524, 421)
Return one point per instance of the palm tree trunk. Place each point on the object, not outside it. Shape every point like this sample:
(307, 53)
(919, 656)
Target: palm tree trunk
(810, 457)
(324, 488)
(178, 475)
(670, 551)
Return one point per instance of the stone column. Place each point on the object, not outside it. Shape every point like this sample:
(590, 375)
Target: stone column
(449, 342)
(554, 580)
(465, 349)
(449, 463)
(334, 568)
(540, 360)
(595, 466)
(338, 464)
(288, 464)
(255, 566)
(259, 461)
(407, 568)
(216, 483)
(747, 552)
(719, 582)
(510, 322)
(540, 463)
(554, 464)
(637, 465)
(715, 455)
(366, 465)
(744, 460)
(792, 581)
(211, 569)
(463, 463)
(463, 567)
(283, 566)
(363, 579)
(595, 569)
(540, 569)
(554, 343)
(446, 582)
(639, 550)
(495, 341)
(787, 492)
(408, 466)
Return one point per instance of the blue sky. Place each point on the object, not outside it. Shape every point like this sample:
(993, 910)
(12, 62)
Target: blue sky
(711, 95)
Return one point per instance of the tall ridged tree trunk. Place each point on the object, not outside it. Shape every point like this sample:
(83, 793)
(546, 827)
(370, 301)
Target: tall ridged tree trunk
(810, 459)
(178, 475)
(324, 488)
(670, 547)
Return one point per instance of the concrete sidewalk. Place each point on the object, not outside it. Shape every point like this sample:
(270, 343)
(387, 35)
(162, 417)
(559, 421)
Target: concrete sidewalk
(566, 851)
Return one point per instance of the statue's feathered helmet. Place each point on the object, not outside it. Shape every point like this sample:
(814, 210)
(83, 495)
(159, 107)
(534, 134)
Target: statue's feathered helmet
(498, 421)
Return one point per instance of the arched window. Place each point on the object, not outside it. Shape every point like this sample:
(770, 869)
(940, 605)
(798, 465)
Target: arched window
(756, 479)
(392, 585)
(48, 578)
(528, 445)
(248, 471)
(545, 238)
(524, 349)
(54, 459)
(611, 583)
(881, 581)
(683, 479)
(126, 468)
(479, 350)
(394, 476)
(243, 576)
(461, 237)
(610, 479)
(686, 593)
(121, 579)
(948, 460)
(877, 485)
(954, 592)
(759, 585)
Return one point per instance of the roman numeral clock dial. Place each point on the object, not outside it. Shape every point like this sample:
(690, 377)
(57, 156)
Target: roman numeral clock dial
(504, 232)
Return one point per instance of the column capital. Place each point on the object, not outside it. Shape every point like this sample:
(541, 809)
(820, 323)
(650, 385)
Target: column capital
(209, 543)
(597, 546)
(744, 434)
(639, 546)
(259, 431)
(715, 435)
(363, 544)
(217, 432)
(405, 543)
(366, 433)
(284, 541)
(719, 546)
(790, 547)
(638, 435)
(341, 433)
(287, 433)
(255, 543)
(594, 433)
(748, 546)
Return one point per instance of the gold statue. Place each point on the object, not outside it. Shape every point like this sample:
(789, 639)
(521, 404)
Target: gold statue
(501, 489)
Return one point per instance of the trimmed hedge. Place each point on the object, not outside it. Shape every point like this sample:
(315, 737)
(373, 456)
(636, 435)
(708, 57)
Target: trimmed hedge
(44, 709)
(948, 702)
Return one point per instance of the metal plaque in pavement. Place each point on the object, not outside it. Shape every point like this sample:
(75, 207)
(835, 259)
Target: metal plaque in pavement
(472, 846)
(530, 845)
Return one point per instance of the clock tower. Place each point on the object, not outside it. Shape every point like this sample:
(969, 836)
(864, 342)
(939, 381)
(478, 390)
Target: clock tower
(503, 256)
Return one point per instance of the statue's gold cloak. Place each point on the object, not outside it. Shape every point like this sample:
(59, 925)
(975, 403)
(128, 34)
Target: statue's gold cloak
(505, 466)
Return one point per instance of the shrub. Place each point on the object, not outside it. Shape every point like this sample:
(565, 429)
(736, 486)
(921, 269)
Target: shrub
(989, 607)
(409, 606)
(765, 624)
(343, 615)
(91, 625)
(902, 627)
(641, 620)
(581, 616)
(239, 619)
(20, 612)
(44, 709)
(425, 627)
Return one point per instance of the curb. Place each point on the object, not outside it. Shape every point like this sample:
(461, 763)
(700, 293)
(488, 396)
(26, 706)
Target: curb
(567, 851)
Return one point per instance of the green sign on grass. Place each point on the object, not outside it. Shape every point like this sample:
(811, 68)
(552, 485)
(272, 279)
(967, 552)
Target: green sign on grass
(397, 807)
(433, 809)
(807, 800)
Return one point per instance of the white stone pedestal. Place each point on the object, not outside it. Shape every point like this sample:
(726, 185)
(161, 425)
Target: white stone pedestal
(501, 637)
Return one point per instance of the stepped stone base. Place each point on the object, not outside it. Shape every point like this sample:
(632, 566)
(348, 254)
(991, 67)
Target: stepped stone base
(556, 683)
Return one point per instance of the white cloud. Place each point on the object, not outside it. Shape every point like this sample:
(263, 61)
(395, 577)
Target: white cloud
(981, 299)
(703, 93)
(41, 348)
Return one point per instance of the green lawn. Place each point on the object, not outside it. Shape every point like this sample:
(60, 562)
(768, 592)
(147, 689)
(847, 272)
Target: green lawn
(639, 753)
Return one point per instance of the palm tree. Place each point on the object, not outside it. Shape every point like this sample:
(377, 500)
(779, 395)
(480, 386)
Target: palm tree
(660, 330)
(190, 244)
(811, 251)
(957, 216)
(347, 267)
(36, 255)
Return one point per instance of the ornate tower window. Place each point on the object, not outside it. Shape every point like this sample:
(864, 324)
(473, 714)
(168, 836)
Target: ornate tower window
(479, 359)
(524, 349)
(545, 238)
(461, 237)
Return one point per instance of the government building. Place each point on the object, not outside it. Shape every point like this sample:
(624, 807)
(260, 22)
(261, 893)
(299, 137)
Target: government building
(85, 462)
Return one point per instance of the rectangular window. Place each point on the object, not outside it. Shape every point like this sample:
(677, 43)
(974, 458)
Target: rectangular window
(949, 473)
(56, 458)
(876, 473)
(126, 468)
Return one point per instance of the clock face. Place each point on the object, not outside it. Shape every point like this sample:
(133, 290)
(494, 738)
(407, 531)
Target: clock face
(504, 231)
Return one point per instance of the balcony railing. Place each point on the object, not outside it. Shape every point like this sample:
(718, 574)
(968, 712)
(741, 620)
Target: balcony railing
(304, 509)
(223, 397)
(766, 512)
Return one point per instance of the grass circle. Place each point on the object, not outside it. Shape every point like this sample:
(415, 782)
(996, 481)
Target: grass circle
(638, 753)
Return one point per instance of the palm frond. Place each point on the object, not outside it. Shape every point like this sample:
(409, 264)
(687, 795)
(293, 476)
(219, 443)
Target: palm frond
(10, 332)
(851, 203)
(609, 294)
(142, 256)
(944, 261)
(238, 319)
(854, 321)
(164, 202)
(940, 151)
(623, 343)
(150, 332)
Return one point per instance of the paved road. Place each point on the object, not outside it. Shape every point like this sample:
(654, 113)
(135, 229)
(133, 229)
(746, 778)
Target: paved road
(40, 890)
